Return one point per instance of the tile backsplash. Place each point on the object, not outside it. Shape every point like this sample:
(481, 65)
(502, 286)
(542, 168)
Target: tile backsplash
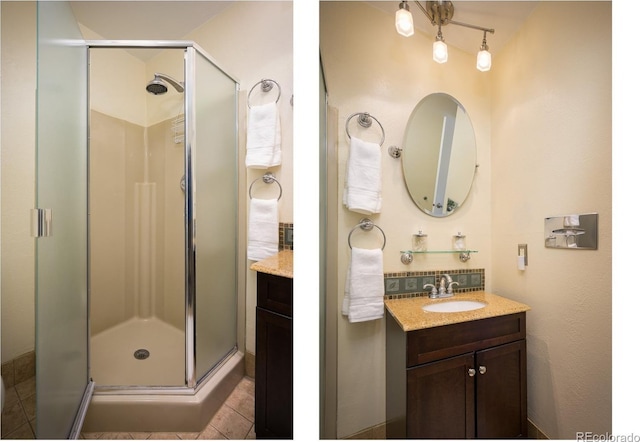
(285, 240)
(410, 284)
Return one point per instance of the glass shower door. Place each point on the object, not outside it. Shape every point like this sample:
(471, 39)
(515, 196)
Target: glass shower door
(62, 384)
(212, 163)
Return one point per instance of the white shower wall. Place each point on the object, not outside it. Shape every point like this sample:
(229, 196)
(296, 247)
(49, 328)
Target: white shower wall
(136, 223)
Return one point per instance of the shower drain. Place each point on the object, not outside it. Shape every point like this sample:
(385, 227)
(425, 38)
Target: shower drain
(141, 354)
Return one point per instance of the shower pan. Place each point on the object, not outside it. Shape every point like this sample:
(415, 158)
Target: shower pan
(133, 322)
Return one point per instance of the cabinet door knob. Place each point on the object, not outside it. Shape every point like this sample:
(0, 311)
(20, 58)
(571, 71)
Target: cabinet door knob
(482, 369)
(472, 372)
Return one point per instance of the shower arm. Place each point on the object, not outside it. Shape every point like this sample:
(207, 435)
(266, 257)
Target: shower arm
(179, 85)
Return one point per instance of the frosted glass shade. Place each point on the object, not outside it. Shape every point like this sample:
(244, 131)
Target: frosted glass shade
(404, 22)
(440, 51)
(484, 61)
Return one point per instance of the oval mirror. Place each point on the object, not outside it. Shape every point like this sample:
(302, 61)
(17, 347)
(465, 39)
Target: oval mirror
(439, 155)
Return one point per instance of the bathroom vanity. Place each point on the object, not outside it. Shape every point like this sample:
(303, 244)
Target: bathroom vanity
(274, 347)
(456, 374)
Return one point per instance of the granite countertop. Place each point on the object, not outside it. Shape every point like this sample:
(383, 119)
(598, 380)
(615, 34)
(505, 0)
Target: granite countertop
(410, 316)
(280, 264)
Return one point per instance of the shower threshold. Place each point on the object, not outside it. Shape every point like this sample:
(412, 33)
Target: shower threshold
(174, 410)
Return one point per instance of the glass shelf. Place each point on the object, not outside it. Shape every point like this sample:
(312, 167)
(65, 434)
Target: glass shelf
(418, 252)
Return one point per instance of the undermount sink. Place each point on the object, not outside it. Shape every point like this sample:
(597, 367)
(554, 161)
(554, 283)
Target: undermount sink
(454, 306)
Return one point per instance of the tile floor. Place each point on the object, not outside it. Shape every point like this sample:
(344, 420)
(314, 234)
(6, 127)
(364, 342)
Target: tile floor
(234, 420)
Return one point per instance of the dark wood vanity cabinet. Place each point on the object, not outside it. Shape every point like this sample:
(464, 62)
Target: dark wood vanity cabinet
(274, 357)
(458, 381)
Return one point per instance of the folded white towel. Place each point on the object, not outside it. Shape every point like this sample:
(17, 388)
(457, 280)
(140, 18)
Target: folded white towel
(263, 137)
(364, 288)
(262, 240)
(363, 183)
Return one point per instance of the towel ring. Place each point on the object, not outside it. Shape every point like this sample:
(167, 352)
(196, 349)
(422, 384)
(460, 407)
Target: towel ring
(366, 224)
(364, 120)
(266, 86)
(267, 178)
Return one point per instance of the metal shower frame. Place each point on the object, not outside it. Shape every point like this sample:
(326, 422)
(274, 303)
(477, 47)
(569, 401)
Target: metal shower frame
(191, 48)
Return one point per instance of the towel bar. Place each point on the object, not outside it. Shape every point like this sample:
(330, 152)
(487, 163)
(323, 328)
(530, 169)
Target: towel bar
(267, 178)
(364, 120)
(366, 224)
(266, 86)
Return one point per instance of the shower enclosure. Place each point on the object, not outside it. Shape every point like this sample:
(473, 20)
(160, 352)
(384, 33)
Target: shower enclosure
(136, 161)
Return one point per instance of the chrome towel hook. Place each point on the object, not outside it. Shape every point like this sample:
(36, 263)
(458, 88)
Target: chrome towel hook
(266, 85)
(366, 224)
(364, 120)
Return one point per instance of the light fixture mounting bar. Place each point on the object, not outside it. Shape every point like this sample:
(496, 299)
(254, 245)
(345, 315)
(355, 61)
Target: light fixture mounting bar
(467, 25)
(441, 12)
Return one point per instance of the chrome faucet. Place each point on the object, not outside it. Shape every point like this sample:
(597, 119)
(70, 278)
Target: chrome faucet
(445, 289)
(434, 291)
(444, 280)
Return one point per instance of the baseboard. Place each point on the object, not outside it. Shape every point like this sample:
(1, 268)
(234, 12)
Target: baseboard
(375, 432)
(19, 369)
(250, 365)
(535, 432)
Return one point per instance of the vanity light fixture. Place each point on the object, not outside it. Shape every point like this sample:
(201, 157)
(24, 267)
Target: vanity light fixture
(440, 13)
(404, 20)
(484, 56)
(440, 54)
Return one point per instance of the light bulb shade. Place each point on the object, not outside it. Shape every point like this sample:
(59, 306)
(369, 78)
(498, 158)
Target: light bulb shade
(484, 60)
(440, 51)
(404, 22)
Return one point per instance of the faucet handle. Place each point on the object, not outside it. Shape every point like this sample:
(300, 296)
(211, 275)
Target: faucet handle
(450, 288)
(434, 291)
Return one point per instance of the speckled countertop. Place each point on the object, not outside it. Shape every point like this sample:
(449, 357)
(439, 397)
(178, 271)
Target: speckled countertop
(280, 264)
(410, 316)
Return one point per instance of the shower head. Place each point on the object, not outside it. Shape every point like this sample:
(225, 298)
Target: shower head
(157, 86)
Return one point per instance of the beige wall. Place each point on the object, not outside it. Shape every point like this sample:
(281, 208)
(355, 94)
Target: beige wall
(115, 79)
(542, 121)
(551, 155)
(370, 68)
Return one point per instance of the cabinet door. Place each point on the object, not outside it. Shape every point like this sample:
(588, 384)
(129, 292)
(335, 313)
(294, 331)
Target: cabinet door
(501, 395)
(275, 293)
(274, 375)
(440, 399)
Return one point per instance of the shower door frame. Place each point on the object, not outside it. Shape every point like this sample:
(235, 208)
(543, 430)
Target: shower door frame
(192, 383)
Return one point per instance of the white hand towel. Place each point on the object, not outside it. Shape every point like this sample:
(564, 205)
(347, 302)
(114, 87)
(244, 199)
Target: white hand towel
(263, 137)
(263, 229)
(364, 290)
(363, 183)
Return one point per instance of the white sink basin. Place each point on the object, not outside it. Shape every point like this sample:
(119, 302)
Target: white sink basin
(454, 306)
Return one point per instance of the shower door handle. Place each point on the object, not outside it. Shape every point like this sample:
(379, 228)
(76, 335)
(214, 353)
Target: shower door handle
(41, 223)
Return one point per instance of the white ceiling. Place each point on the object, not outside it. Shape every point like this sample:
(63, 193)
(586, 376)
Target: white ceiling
(145, 20)
(506, 17)
(173, 20)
